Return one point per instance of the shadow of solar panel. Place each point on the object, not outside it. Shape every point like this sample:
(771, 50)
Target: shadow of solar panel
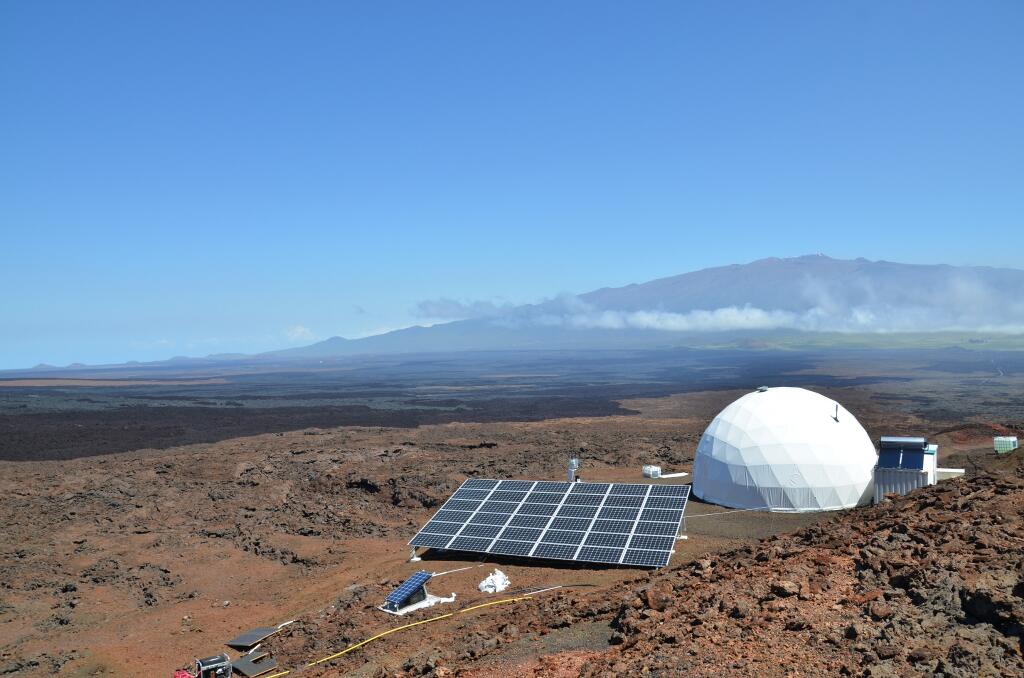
(652, 543)
(529, 521)
(590, 488)
(544, 498)
(614, 513)
(578, 524)
(620, 526)
(512, 548)
(624, 500)
(521, 533)
(469, 544)
(515, 485)
(452, 516)
(489, 531)
(584, 499)
(562, 537)
(558, 551)
(608, 540)
(499, 507)
(490, 518)
(646, 558)
(670, 490)
(438, 527)
(479, 484)
(501, 495)
(662, 514)
(629, 488)
(577, 512)
(665, 503)
(472, 495)
(599, 555)
(548, 486)
(434, 541)
(663, 529)
(461, 505)
(537, 509)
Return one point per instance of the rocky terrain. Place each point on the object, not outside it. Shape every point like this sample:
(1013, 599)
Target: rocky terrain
(129, 564)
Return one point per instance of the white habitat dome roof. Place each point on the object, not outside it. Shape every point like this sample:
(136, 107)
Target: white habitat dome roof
(785, 449)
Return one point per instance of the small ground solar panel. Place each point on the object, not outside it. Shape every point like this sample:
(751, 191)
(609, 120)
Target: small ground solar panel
(618, 523)
(408, 587)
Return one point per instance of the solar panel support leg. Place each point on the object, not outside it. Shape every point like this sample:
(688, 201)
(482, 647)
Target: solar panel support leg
(413, 558)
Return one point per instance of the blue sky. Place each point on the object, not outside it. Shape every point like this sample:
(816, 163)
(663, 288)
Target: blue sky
(194, 178)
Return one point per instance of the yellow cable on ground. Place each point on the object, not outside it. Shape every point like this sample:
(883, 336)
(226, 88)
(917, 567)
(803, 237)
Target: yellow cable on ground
(277, 675)
(407, 626)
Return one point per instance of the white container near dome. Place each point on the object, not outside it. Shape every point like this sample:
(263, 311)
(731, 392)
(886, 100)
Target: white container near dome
(1005, 444)
(785, 449)
(652, 471)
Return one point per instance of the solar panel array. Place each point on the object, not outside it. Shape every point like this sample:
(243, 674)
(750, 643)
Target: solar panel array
(408, 587)
(616, 523)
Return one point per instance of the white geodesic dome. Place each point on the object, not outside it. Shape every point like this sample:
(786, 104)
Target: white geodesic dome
(785, 449)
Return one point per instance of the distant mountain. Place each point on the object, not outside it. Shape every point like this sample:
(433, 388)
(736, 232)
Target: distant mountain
(769, 298)
(801, 302)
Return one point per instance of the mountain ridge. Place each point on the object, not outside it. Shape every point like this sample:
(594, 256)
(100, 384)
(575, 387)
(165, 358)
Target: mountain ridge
(810, 296)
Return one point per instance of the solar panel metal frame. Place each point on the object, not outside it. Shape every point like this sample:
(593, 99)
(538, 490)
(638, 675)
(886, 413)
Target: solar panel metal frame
(613, 523)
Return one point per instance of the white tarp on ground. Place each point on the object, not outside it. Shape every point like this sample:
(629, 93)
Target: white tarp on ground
(785, 449)
(495, 582)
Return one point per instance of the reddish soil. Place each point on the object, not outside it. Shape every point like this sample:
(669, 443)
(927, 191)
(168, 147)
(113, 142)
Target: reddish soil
(129, 564)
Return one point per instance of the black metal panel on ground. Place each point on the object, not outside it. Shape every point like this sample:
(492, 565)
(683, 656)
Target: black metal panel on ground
(250, 669)
(617, 523)
(252, 638)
